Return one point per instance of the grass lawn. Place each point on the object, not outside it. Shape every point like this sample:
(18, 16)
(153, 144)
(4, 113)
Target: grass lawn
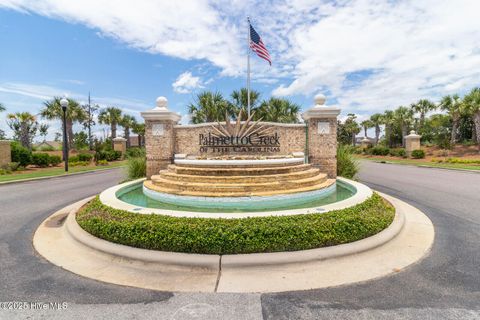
(423, 163)
(56, 171)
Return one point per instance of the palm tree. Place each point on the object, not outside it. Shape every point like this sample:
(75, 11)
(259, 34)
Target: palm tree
(139, 130)
(240, 102)
(278, 110)
(454, 106)
(111, 116)
(128, 122)
(53, 111)
(423, 106)
(24, 125)
(43, 130)
(366, 124)
(377, 120)
(209, 107)
(352, 127)
(472, 103)
(388, 119)
(404, 117)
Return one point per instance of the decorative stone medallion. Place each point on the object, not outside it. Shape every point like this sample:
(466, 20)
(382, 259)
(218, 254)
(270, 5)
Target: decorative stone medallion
(323, 127)
(158, 129)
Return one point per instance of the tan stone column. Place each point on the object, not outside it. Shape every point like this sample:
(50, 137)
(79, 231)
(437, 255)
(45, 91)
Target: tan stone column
(322, 136)
(5, 152)
(120, 144)
(159, 136)
(412, 142)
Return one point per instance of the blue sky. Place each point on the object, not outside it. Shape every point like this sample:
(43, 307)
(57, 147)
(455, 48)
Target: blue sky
(366, 56)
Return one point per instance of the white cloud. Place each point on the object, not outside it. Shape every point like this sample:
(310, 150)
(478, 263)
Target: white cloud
(400, 51)
(186, 82)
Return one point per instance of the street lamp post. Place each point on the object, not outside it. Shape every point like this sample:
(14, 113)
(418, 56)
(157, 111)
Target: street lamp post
(64, 104)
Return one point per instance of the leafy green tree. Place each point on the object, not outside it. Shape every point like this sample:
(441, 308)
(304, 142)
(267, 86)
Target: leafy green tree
(111, 116)
(52, 110)
(404, 118)
(278, 110)
(422, 107)
(139, 130)
(239, 101)
(128, 122)
(472, 103)
(80, 140)
(366, 124)
(454, 107)
(43, 130)
(209, 107)
(377, 121)
(25, 126)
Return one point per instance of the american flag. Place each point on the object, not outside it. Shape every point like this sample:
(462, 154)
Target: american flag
(256, 44)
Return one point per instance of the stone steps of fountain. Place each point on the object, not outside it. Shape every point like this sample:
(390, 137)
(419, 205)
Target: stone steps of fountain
(246, 186)
(243, 193)
(296, 175)
(237, 171)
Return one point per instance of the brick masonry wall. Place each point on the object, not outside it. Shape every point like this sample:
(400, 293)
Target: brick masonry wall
(322, 150)
(159, 149)
(5, 152)
(292, 139)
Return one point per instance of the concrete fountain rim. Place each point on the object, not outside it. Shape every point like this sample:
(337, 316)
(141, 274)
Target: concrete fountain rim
(109, 197)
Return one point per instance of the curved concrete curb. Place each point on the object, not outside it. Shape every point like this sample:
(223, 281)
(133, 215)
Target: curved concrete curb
(388, 252)
(109, 197)
(252, 259)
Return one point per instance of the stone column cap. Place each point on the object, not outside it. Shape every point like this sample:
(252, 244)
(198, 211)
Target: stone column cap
(119, 139)
(161, 112)
(320, 110)
(413, 134)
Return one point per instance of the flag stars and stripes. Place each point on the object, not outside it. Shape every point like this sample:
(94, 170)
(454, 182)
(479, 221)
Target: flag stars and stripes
(257, 45)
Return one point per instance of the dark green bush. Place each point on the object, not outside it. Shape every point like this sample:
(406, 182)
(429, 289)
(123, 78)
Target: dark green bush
(135, 152)
(380, 151)
(40, 159)
(400, 152)
(418, 154)
(54, 160)
(73, 159)
(85, 157)
(109, 155)
(346, 165)
(137, 167)
(20, 154)
(231, 236)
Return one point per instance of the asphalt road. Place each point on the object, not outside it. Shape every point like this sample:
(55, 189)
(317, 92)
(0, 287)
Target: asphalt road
(444, 285)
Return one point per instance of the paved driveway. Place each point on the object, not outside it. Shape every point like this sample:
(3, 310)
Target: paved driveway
(445, 285)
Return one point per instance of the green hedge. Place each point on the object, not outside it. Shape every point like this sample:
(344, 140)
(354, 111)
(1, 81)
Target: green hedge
(230, 236)
(418, 154)
(20, 154)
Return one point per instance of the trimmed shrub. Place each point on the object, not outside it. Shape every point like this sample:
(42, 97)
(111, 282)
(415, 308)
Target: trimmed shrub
(46, 148)
(233, 236)
(109, 155)
(102, 163)
(380, 151)
(418, 154)
(11, 166)
(400, 152)
(54, 160)
(20, 154)
(73, 159)
(40, 159)
(346, 165)
(85, 157)
(136, 168)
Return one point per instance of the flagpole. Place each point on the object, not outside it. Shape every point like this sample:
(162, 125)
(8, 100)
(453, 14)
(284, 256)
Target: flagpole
(248, 69)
